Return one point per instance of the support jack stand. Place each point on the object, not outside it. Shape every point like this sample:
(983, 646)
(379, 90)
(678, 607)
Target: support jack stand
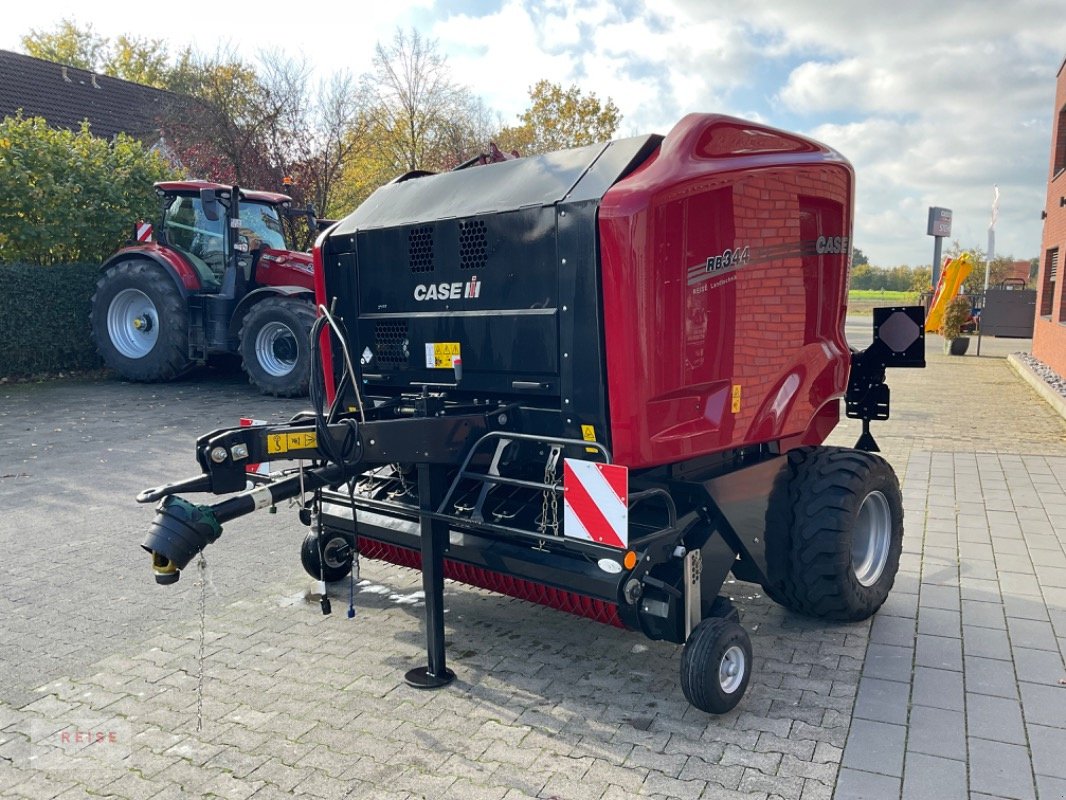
(434, 541)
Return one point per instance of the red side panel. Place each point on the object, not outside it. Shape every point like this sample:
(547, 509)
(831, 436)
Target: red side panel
(724, 267)
(319, 278)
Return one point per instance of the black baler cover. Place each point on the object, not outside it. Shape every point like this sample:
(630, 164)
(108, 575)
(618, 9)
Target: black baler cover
(505, 186)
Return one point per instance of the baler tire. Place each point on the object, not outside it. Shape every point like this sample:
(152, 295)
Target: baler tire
(716, 665)
(158, 348)
(338, 552)
(273, 323)
(835, 537)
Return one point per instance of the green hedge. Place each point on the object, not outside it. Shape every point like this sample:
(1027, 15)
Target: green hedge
(44, 318)
(69, 196)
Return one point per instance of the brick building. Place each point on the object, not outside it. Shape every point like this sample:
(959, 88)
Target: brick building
(1049, 334)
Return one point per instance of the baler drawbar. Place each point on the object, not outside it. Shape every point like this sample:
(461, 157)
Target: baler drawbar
(598, 380)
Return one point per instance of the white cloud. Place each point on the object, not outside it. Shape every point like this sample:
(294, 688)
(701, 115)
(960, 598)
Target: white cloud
(500, 55)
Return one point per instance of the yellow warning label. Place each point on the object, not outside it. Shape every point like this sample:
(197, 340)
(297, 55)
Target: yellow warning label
(588, 433)
(439, 354)
(736, 399)
(284, 442)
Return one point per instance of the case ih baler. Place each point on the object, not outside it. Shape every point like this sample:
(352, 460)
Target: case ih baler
(598, 379)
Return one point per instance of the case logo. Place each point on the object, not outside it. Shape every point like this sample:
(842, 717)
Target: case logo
(471, 290)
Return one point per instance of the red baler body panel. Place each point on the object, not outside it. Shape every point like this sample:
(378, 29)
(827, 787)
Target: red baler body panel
(724, 264)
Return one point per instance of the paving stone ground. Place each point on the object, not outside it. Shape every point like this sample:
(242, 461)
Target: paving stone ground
(951, 689)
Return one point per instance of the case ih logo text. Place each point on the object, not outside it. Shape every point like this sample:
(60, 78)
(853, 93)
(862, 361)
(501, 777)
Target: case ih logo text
(826, 245)
(471, 290)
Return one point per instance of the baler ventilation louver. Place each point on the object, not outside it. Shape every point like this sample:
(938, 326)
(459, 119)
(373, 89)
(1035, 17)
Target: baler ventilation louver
(391, 344)
(420, 249)
(473, 248)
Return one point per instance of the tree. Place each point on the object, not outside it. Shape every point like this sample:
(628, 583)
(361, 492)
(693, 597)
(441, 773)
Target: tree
(219, 122)
(425, 120)
(317, 129)
(858, 258)
(413, 116)
(70, 195)
(67, 44)
(921, 279)
(559, 118)
(144, 61)
(863, 277)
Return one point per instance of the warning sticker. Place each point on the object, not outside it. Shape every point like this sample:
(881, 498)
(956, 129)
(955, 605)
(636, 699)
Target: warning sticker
(284, 442)
(736, 399)
(588, 433)
(439, 354)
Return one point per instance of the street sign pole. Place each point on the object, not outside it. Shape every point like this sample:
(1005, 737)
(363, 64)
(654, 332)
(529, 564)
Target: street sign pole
(939, 227)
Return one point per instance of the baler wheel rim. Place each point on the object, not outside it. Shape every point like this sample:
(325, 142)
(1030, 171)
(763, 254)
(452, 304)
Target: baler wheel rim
(731, 669)
(872, 539)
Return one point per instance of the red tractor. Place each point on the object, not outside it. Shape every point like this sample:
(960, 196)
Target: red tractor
(219, 276)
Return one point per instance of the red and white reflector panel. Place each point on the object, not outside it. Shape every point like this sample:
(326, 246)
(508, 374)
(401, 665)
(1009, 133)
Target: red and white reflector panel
(258, 469)
(144, 231)
(595, 502)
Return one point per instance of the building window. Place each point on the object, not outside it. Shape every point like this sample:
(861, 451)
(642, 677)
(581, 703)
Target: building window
(1051, 272)
(1062, 290)
(1060, 143)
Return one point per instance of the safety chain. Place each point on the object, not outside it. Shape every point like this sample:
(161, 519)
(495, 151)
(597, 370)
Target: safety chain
(551, 481)
(405, 487)
(202, 568)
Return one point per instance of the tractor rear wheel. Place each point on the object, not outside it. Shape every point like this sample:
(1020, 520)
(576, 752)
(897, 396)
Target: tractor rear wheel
(139, 322)
(276, 345)
(835, 534)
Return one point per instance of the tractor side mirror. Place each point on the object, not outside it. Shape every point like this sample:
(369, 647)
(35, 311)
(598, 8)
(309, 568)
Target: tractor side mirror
(209, 203)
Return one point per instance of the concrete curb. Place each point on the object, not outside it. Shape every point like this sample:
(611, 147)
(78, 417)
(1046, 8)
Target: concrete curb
(1054, 399)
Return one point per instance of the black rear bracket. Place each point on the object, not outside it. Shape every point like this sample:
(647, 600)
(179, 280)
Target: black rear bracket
(899, 341)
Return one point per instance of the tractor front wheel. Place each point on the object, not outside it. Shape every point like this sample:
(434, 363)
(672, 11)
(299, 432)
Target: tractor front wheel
(276, 345)
(836, 533)
(139, 322)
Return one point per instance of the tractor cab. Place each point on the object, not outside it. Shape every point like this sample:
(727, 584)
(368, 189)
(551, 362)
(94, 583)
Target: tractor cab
(213, 233)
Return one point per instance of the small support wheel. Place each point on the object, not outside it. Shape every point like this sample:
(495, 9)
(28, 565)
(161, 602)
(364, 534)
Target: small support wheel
(716, 665)
(338, 554)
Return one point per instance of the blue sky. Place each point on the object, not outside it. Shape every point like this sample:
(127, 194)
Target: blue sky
(932, 102)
